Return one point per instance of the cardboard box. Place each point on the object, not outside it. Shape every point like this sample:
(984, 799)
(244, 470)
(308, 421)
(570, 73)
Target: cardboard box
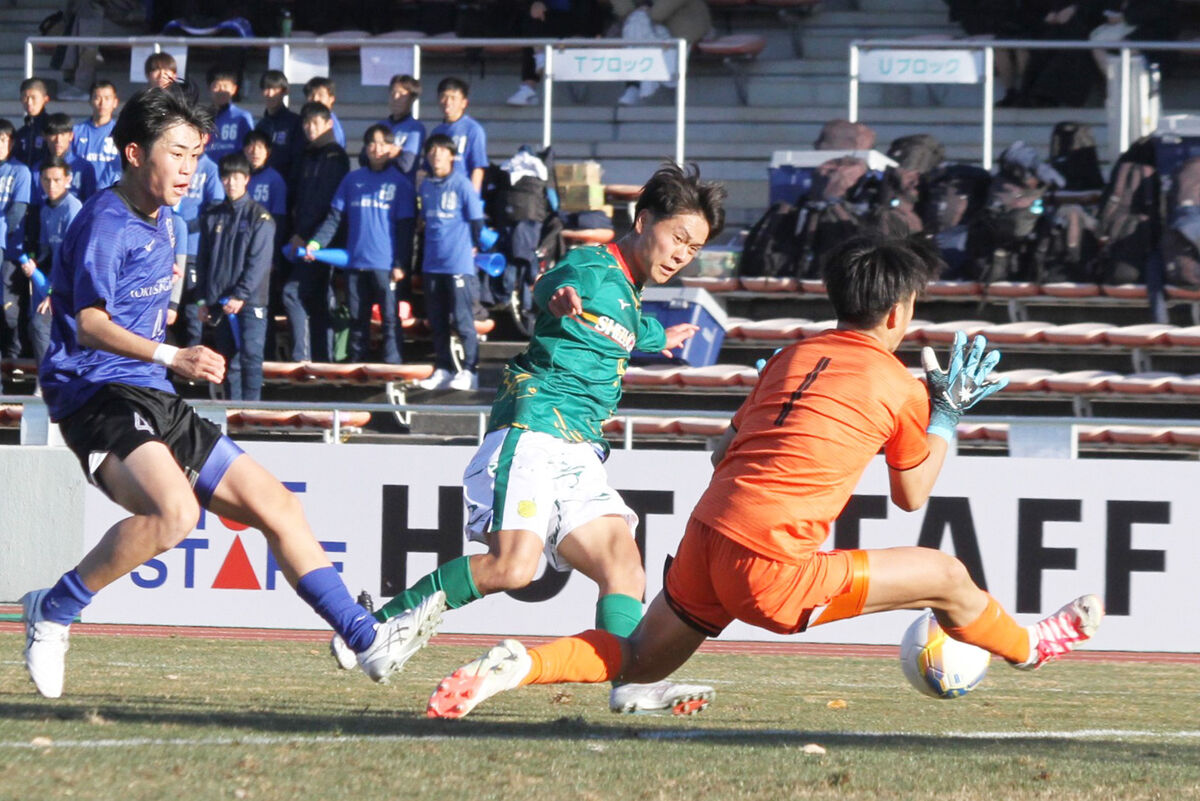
(580, 197)
(579, 172)
(674, 305)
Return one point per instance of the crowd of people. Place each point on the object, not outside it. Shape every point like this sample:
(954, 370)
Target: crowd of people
(265, 199)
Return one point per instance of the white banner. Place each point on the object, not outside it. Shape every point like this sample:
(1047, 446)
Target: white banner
(379, 64)
(1036, 533)
(920, 66)
(137, 62)
(614, 64)
(303, 63)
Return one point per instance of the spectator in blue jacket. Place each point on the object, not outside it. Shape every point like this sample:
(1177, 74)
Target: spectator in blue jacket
(379, 205)
(306, 290)
(280, 123)
(453, 215)
(237, 238)
(93, 140)
(59, 208)
(268, 189)
(468, 136)
(324, 91)
(29, 146)
(14, 201)
(232, 123)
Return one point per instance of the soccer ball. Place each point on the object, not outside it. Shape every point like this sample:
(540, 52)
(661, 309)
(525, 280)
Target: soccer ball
(938, 665)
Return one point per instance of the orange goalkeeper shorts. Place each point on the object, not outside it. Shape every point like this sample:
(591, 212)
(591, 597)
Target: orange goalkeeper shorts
(714, 580)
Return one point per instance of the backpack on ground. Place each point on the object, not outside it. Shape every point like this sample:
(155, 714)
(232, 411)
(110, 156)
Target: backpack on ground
(953, 196)
(901, 187)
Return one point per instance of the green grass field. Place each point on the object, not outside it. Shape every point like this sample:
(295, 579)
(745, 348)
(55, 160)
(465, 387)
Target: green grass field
(181, 718)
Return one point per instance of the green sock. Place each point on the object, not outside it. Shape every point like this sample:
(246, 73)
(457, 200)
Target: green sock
(618, 614)
(453, 578)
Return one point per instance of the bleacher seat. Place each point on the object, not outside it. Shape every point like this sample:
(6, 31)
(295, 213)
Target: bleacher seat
(764, 283)
(735, 51)
(1138, 336)
(657, 376)
(1078, 333)
(344, 373)
(1080, 381)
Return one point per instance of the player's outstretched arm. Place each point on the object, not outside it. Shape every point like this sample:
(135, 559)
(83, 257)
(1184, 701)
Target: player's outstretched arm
(97, 331)
(565, 302)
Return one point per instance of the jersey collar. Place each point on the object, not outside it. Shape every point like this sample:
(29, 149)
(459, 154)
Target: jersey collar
(616, 254)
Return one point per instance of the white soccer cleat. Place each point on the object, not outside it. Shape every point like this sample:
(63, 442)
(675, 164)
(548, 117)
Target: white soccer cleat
(439, 380)
(397, 639)
(500, 669)
(46, 644)
(660, 697)
(1059, 633)
(342, 654)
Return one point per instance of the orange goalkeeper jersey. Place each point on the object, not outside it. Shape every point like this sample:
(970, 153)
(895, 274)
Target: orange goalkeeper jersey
(820, 411)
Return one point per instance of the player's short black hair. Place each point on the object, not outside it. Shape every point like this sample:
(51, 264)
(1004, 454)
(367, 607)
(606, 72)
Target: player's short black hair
(379, 127)
(222, 74)
(869, 273)
(34, 83)
(409, 83)
(442, 141)
(320, 82)
(274, 79)
(7, 129)
(676, 190)
(102, 84)
(256, 136)
(453, 84)
(58, 123)
(152, 111)
(233, 162)
(157, 61)
(314, 109)
(52, 162)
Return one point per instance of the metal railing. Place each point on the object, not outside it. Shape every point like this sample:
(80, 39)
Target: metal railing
(418, 46)
(1124, 72)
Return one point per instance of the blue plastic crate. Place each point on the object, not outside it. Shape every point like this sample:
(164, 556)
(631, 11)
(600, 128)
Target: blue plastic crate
(671, 306)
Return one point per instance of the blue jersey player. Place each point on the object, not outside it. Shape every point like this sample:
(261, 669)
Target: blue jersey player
(232, 123)
(104, 380)
(468, 136)
(93, 137)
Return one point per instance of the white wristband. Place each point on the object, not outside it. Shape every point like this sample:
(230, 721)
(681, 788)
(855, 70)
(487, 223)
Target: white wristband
(164, 354)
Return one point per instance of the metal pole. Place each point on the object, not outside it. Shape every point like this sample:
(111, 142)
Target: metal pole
(989, 91)
(853, 82)
(285, 55)
(481, 432)
(628, 433)
(28, 59)
(416, 109)
(1126, 69)
(680, 97)
(337, 427)
(547, 94)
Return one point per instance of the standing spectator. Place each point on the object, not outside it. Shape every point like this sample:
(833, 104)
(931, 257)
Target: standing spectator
(280, 123)
(160, 70)
(408, 134)
(379, 205)
(93, 137)
(324, 91)
(659, 19)
(232, 123)
(237, 238)
(550, 19)
(58, 210)
(59, 136)
(14, 200)
(453, 215)
(180, 238)
(30, 144)
(204, 191)
(268, 189)
(467, 135)
(306, 291)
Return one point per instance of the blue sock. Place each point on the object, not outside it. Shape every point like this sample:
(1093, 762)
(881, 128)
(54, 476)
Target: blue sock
(66, 599)
(323, 590)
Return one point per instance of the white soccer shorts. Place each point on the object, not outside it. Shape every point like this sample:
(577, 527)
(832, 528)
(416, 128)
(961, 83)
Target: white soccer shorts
(536, 482)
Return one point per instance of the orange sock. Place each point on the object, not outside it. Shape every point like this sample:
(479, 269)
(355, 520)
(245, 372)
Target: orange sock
(588, 658)
(996, 631)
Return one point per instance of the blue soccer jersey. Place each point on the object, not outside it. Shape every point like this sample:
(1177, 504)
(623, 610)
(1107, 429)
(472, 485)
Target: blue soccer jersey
(117, 258)
(204, 190)
(339, 135)
(448, 205)
(83, 180)
(54, 221)
(268, 189)
(469, 140)
(229, 129)
(409, 135)
(94, 144)
(15, 187)
(372, 202)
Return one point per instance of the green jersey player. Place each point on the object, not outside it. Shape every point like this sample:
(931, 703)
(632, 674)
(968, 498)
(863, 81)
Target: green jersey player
(537, 484)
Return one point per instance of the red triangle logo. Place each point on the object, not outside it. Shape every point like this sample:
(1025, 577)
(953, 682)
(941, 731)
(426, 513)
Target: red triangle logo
(236, 572)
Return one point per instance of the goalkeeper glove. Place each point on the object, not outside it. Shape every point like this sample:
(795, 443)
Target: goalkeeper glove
(967, 381)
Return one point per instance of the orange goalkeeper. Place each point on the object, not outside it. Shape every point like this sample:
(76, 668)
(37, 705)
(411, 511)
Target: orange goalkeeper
(821, 410)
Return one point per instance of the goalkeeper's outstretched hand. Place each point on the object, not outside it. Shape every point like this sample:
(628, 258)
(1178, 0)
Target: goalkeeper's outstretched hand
(968, 380)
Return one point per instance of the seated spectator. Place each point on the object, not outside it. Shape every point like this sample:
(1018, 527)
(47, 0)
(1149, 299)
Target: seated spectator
(453, 216)
(1125, 20)
(659, 19)
(91, 18)
(93, 137)
(29, 146)
(237, 238)
(324, 91)
(232, 123)
(999, 19)
(468, 136)
(379, 206)
(60, 134)
(280, 123)
(58, 210)
(550, 19)
(160, 70)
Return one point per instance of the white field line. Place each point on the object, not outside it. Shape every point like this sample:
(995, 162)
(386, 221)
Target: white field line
(692, 734)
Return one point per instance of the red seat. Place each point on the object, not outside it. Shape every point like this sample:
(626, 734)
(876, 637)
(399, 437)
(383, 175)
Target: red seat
(588, 236)
(1013, 289)
(1020, 333)
(396, 372)
(1078, 333)
(1139, 336)
(1026, 380)
(622, 193)
(713, 283)
(764, 283)
(812, 286)
(644, 425)
(717, 375)
(1182, 293)
(652, 376)
(916, 331)
(944, 332)
(1148, 383)
(702, 426)
(784, 328)
(733, 326)
(1070, 289)
(324, 420)
(737, 45)
(817, 327)
(1080, 381)
(10, 416)
(1185, 336)
(1093, 435)
(1186, 435)
(1185, 385)
(333, 371)
(284, 371)
(1124, 291)
(952, 289)
(1139, 435)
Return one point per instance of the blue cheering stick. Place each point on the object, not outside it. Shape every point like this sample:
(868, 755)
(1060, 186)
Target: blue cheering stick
(335, 257)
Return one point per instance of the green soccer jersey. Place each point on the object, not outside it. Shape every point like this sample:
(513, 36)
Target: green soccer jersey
(568, 381)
